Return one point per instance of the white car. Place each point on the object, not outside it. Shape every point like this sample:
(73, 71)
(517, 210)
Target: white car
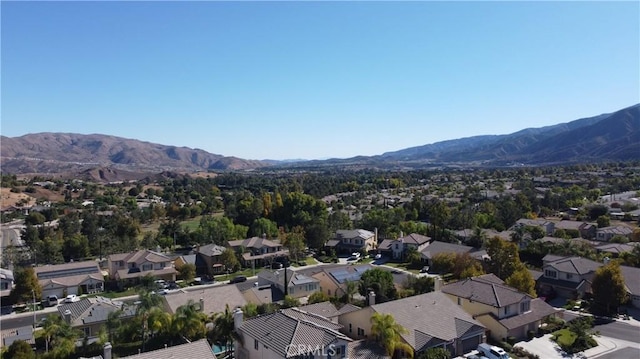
(378, 256)
(71, 298)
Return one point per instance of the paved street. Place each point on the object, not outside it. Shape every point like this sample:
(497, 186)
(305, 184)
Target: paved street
(619, 330)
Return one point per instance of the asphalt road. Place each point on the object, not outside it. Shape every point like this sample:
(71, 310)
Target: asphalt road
(626, 353)
(23, 321)
(619, 330)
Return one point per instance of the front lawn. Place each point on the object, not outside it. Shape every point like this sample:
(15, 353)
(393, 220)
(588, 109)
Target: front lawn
(564, 337)
(403, 266)
(115, 294)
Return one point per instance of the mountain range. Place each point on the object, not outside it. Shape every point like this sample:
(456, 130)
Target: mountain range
(606, 137)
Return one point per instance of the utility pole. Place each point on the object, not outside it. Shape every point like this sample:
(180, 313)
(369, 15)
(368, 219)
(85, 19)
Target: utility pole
(33, 293)
(286, 286)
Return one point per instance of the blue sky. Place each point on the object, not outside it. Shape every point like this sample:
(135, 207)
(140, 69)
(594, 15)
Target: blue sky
(283, 80)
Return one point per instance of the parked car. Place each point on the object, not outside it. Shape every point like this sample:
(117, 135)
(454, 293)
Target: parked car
(492, 352)
(424, 269)
(238, 279)
(71, 298)
(378, 256)
(277, 265)
(354, 256)
(50, 301)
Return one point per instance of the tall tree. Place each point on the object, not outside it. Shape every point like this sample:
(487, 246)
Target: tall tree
(230, 260)
(293, 241)
(522, 280)
(608, 287)
(504, 257)
(26, 286)
(385, 329)
(189, 321)
(19, 349)
(381, 282)
(223, 332)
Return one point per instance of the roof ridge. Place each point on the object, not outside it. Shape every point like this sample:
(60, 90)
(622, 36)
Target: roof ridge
(496, 295)
(310, 323)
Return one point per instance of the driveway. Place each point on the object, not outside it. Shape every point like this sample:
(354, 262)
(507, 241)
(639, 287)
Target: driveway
(544, 347)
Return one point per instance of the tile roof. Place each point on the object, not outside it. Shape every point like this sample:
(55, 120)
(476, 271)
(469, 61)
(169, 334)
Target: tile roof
(23, 333)
(487, 289)
(385, 244)
(281, 331)
(348, 308)
(254, 242)
(140, 256)
(211, 250)
(293, 278)
(430, 318)
(200, 349)
(615, 248)
(215, 298)
(71, 281)
(631, 279)
(94, 310)
(66, 269)
(354, 234)
(437, 247)
(325, 309)
(319, 319)
(135, 272)
(574, 265)
(539, 309)
(262, 295)
(414, 238)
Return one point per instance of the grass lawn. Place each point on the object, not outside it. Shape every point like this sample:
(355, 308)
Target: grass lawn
(308, 260)
(112, 295)
(245, 272)
(564, 337)
(192, 224)
(403, 266)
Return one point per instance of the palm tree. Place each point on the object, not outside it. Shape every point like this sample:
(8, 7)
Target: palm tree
(60, 336)
(351, 288)
(113, 323)
(189, 321)
(385, 328)
(223, 332)
(158, 321)
(147, 300)
(50, 327)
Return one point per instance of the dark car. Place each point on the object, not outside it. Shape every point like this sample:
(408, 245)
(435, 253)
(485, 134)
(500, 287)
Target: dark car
(238, 279)
(277, 265)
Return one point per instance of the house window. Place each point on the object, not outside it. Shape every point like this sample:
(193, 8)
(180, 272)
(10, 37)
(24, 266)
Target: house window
(525, 306)
(350, 328)
(255, 344)
(86, 331)
(550, 273)
(146, 267)
(569, 276)
(507, 310)
(459, 301)
(360, 332)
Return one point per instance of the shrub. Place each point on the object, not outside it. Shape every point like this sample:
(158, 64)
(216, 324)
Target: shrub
(511, 340)
(523, 353)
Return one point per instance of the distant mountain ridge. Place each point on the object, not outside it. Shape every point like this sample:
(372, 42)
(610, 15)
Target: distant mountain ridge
(606, 137)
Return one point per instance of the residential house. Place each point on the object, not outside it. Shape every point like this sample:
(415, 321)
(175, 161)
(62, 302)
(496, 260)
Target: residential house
(200, 349)
(605, 234)
(289, 334)
(568, 277)
(88, 315)
(259, 251)
(208, 259)
(70, 278)
(632, 283)
(431, 320)
(130, 267)
(580, 229)
(209, 300)
(437, 247)
(397, 248)
(298, 284)
(347, 241)
(333, 281)
(505, 311)
(6, 282)
(547, 226)
(614, 250)
(327, 310)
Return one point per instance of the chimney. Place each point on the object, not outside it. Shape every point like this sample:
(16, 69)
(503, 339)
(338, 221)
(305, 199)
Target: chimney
(264, 235)
(238, 316)
(375, 232)
(67, 316)
(201, 304)
(401, 234)
(372, 298)
(107, 350)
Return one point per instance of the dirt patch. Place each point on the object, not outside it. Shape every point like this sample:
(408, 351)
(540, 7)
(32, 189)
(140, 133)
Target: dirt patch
(8, 199)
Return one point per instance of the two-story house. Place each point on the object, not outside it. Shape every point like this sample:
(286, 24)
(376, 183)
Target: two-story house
(88, 315)
(432, 320)
(259, 251)
(70, 278)
(208, 259)
(298, 284)
(505, 311)
(289, 334)
(130, 267)
(347, 241)
(568, 277)
(397, 248)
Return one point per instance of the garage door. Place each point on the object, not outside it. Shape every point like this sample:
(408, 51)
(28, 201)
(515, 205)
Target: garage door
(470, 344)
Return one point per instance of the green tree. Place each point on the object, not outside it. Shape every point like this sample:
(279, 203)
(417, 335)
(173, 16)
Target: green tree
(420, 285)
(504, 258)
(294, 242)
(608, 287)
(290, 302)
(381, 282)
(351, 288)
(189, 321)
(60, 337)
(388, 332)
(230, 260)
(19, 349)
(187, 271)
(603, 221)
(318, 297)
(522, 280)
(435, 353)
(262, 226)
(35, 218)
(223, 332)
(26, 286)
